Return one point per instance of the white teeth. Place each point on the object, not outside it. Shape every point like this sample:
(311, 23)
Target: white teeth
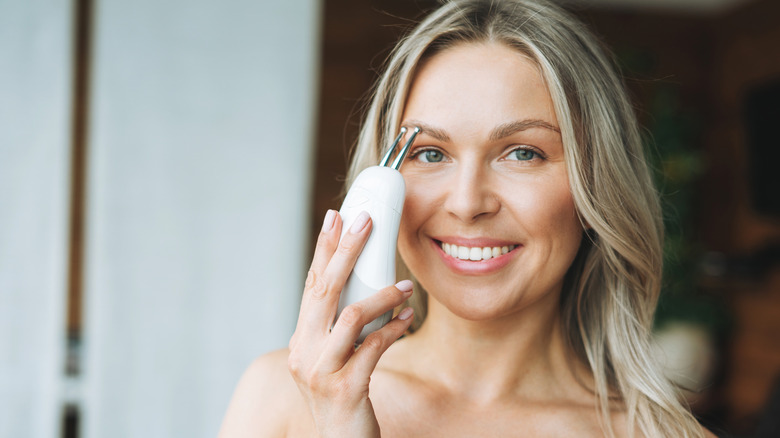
(475, 253)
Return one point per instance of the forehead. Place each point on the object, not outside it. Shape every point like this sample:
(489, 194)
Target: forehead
(479, 82)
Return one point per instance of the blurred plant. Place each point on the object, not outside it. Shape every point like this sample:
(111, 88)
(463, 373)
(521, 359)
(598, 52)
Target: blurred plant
(678, 166)
(672, 138)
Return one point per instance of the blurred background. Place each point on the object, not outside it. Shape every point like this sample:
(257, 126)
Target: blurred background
(165, 166)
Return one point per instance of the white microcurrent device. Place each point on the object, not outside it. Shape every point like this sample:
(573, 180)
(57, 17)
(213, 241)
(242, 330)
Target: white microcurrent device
(380, 191)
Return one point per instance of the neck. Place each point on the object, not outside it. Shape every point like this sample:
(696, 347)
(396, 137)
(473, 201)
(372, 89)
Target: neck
(524, 353)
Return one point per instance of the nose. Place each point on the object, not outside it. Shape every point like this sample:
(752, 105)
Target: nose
(471, 195)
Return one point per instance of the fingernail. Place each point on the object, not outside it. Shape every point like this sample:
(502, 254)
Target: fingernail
(330, 219)
(405, 285)
(360, 223)
(405, 314)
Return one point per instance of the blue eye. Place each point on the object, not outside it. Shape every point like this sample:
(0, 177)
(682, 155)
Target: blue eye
(523, 155)
(429, 156)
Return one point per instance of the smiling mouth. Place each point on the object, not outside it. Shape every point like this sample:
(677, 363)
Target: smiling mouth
(473, 253)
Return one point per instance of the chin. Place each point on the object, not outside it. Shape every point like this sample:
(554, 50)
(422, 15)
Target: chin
(473, 304)
(484, 304)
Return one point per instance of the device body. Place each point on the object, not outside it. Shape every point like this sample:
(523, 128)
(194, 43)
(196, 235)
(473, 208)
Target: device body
(379, 191)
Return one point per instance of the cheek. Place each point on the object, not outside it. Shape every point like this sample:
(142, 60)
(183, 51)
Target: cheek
(547, 211)
(413, 215)
(423, 199)
(551, 209)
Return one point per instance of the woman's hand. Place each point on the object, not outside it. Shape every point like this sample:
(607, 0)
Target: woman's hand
(331, 374)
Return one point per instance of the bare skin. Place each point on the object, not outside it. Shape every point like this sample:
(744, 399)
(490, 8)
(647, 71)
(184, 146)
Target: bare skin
(490, 359)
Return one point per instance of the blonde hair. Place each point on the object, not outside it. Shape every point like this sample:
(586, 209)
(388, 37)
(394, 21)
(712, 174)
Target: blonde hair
(611, 290)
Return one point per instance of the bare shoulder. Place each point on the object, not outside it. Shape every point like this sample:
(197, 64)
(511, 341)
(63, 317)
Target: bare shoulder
(264, 399)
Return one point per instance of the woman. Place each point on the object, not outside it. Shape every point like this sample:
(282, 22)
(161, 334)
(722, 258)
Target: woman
(534, 237)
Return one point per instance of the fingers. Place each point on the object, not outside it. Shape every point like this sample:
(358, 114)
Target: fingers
(320, 360)
(327, 241)
(345, 256)
(333, 261)
(352, 319)
(366, 357)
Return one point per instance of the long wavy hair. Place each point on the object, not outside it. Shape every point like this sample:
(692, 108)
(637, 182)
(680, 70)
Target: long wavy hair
(611, 290)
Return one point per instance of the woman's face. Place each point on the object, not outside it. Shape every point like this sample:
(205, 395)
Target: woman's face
(487, 173)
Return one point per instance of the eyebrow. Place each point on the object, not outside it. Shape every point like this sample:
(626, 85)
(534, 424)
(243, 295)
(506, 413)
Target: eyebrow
(501, 131)
(438, 134)
(507, 129)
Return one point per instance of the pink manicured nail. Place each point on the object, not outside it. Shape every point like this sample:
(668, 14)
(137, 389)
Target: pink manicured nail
(360, 223)
(330, 219)
(405, 314)
(404, 285)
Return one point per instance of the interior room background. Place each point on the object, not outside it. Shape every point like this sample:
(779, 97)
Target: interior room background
(165, 166)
